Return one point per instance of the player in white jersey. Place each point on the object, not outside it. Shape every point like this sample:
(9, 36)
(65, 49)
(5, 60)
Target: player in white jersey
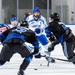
(37, 23)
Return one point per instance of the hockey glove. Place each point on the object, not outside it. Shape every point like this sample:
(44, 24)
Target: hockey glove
(35, 51)
(53, 44)
(51, 48)
(52, 38)
(38, 55)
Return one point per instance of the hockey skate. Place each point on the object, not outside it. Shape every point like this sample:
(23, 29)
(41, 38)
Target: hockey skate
(20, 72)
(74, 62)
(50, 60)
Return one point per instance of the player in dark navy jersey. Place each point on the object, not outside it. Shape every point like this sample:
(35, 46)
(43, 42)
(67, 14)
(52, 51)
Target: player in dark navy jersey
(63, 34)
(13, 41)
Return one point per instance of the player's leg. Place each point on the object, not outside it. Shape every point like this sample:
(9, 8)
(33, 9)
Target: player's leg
(24, 65)
(68, 50)
(25, 53)
(44, 41)
(5, 54)
(22, 50)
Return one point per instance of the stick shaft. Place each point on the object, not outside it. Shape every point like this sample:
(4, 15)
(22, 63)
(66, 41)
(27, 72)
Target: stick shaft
(55, 58)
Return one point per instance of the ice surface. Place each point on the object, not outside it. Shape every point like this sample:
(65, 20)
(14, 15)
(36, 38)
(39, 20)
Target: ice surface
(58, 68)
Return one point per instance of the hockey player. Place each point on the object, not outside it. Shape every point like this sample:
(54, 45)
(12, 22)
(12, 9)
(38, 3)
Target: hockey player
(37, 23)
(26, 15)
(63, 34)
(14, 21)
(13, 41)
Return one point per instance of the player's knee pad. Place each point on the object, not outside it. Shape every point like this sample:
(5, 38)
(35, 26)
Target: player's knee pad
(43, 39)
(28, 59)
(2, 62)
(46, 46)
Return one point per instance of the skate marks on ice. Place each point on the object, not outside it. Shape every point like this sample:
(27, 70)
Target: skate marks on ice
(39, 66)
(58, 67)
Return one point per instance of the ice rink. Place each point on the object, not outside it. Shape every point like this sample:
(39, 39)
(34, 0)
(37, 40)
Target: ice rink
(35, 68)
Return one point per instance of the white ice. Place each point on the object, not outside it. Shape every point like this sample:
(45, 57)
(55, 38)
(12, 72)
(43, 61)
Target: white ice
(58, 68)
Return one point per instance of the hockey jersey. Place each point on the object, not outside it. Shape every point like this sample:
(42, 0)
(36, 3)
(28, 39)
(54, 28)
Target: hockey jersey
(20, 35)
(58, 29)
(33, 24)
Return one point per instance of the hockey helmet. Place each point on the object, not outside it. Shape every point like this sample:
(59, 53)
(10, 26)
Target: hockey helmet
(24, 24)
(13, 19)
(55, 16)
(36, 9)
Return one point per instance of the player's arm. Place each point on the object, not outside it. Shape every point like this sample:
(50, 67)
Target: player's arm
(49, 34)
(36, 50)
(45, 23)
(35, 43)
(3, 31)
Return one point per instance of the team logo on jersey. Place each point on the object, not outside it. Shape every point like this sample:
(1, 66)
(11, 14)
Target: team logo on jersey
(20, 30)
(3, 29)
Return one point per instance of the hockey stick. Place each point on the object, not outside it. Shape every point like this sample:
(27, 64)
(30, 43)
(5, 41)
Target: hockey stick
(55, 58)
(48, 61)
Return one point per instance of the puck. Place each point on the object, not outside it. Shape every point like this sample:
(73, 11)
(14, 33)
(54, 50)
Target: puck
(40, 64)
(35, 69)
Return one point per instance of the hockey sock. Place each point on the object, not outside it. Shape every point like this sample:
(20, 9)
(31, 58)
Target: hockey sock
(26, 62)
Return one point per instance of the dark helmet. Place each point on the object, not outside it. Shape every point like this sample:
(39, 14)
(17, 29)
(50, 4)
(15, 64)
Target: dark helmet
(24, 24)
(27, 14)
(55, 16)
